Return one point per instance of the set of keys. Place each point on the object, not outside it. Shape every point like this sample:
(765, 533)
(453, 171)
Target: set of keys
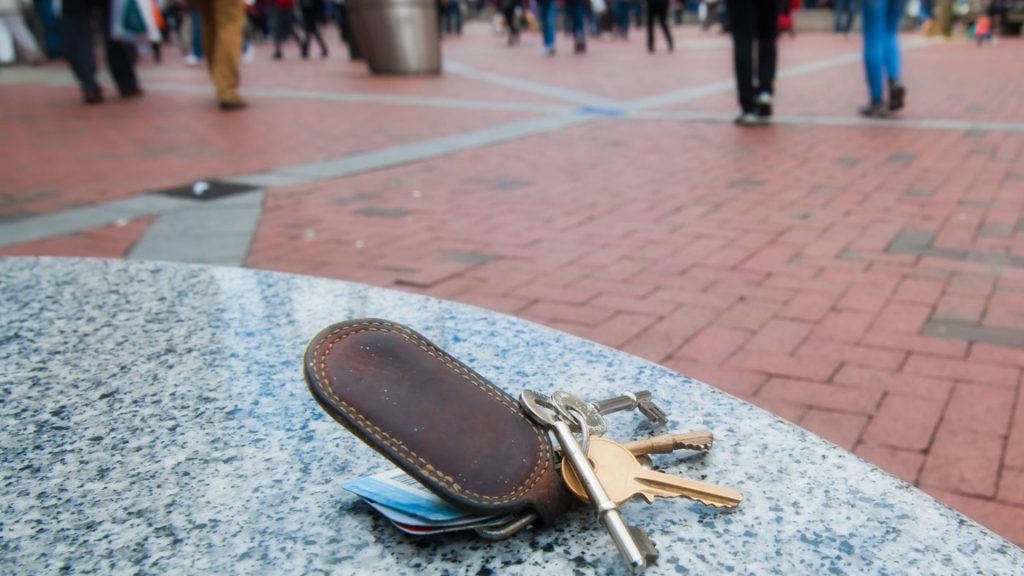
(605, 473)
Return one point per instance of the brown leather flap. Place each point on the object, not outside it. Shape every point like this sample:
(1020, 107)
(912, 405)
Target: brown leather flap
(462, 437)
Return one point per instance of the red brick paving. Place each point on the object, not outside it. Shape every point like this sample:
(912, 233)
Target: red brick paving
(107, 242)
(758, 261)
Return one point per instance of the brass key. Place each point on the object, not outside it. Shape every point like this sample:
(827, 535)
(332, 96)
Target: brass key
(623, 478)
(700, 441)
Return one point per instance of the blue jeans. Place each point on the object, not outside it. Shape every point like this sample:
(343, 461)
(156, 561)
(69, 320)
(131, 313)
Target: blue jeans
(881, 43)
(621, 12)
(846, 11)
(197, 34)
(547, 13)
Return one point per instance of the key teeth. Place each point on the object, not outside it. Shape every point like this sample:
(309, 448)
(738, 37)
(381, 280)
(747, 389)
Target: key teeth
(652, 412)
(696, 447)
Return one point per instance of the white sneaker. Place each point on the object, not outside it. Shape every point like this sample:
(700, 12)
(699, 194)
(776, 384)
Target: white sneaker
(191, 60)
(747, 119)
(249, 55)
(764, 105)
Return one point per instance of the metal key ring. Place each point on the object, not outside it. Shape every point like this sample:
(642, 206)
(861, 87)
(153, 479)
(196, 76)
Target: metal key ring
(581, 419)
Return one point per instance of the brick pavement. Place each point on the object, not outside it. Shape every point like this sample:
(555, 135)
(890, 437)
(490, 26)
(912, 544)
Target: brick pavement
(861, 279)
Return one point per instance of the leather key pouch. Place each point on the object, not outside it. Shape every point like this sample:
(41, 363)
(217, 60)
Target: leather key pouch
(459, 435)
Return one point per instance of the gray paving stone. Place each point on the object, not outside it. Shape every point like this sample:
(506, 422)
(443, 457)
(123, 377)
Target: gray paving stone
(500, 183)
(59, 224)
(911, 241)
(919, 192)
(996, 260)
(268, 179)
(953, 330)
(744, 183)
(996, 230)
(147, 204)
(433, 148)
(554, 92)
(380, 212)
(355, 198)
(218, 232)
(901, 158)
(473, 258)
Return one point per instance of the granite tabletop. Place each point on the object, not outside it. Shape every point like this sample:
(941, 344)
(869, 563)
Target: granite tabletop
(154, 420)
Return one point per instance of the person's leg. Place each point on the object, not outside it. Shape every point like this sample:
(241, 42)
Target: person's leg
(208, 25)
(23, 38)
(663, 18)
(120, 56)
(291, 32)
(893, 16)
(509, 12)
(548, 12)
(277, 25)
(767, 24)
(578, 14)
(197, 33)
(741, 19)
(622, 18)
(650, 27)
(229, 23)
(893, 59)
(310, 21)
(873, 23)
(78, 46)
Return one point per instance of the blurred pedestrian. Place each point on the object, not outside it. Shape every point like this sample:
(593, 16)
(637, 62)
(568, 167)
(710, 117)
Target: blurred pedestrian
(881, 23)
(11, 18)
(452, 17)
(284, 28)
(754, 20)
(223, 23)
(658, 9)
(195, 26)
(846, 13)
(508, 10)
(78, 47)
(548, 13)
(312, 13)
(620, 14)
(576, 13)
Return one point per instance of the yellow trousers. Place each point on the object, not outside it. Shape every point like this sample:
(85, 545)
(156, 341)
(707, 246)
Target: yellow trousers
(223, 24)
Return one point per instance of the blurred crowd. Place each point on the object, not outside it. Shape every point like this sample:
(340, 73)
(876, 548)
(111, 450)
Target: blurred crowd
(222, 33)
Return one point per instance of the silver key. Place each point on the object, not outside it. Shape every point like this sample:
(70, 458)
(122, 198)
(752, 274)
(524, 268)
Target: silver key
(634, 553)
(641, 401)
(564, 401)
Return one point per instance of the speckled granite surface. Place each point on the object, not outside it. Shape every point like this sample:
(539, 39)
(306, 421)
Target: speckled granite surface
(154, 419)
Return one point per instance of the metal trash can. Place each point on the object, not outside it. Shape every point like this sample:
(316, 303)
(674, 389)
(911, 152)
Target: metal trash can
(397, 36)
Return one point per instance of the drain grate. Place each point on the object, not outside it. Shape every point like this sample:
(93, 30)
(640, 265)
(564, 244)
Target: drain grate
(206, 190)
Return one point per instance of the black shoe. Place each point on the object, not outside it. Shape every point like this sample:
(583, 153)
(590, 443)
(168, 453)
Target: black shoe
(278, 56)
(874, 110)
(231, 106)
(132, 93)
(92, 96)
(897, 96)
(581, 47)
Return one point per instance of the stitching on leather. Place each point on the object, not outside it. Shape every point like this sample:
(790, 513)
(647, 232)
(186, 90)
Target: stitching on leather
(421, 464)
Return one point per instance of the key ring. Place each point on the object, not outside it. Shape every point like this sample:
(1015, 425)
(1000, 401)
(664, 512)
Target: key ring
(581, 419)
